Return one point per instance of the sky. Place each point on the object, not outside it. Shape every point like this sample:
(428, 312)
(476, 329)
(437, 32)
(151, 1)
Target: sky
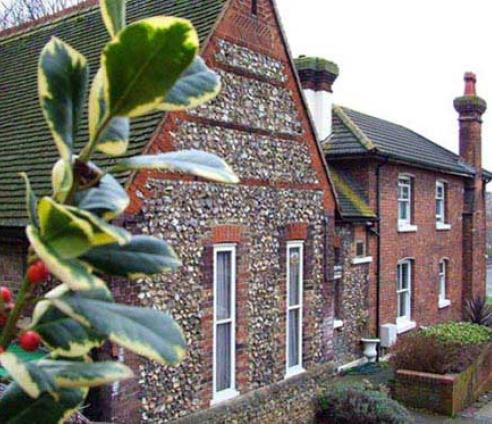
(401, 60)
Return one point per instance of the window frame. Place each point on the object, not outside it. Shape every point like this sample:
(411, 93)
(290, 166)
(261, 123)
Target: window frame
(405, 181)
(298, 368)
(441, 217)
(229, 393)
(408, 316)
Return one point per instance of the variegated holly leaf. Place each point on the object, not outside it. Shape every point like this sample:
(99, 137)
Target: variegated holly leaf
(62, 84)
(113, 140)
(69, 374)
(31, 202)
(144, 255)
(62, 334)
(61, 179)
(32, 379)
(67, 235)
(147, 332)
(197, 85)
(102, 232)
(194, 162)
(72, 272)
(113, 14)
(108, 200)
(143, 62)
(16, 407)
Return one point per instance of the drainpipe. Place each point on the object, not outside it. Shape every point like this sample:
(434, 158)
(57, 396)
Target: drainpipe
(378, 235)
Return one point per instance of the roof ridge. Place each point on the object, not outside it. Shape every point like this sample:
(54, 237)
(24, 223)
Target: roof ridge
(29, 27)
(353, 127)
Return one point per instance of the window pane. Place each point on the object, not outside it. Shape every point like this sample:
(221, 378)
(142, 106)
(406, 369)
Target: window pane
(223, 357)
(224, 263)
(404, 207)
(359, 248)
(294, 275)
(400, 305)
(404, 276)
(293, 338)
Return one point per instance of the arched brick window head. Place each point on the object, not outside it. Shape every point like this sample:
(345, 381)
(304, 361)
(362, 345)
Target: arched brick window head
(254, 7)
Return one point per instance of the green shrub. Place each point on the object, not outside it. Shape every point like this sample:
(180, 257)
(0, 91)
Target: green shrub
(441, 349)
(358, 405)
(459, 332)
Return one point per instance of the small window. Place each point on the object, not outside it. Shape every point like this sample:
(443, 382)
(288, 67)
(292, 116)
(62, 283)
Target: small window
(224, 322)
(360, 249)
(404, 201)
(404, 290)
(294, 307)
(440, 202)
(254, 7)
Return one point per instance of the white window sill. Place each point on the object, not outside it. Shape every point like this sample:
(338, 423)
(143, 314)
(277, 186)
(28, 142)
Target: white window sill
(337, 323)
(444, 303)
(363, 260)
(442, 227)
(407, 228)
(405, 325)
(291, 372)
(224, 395)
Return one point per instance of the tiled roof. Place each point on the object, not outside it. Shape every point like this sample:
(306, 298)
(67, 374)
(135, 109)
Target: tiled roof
(25, 142)
(354, 133)
(351, 198)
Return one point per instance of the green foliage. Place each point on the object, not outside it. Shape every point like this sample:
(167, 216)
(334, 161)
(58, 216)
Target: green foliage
(442, 348)
(478, 311)
(459, 332)
(146, 66)
(356, 404)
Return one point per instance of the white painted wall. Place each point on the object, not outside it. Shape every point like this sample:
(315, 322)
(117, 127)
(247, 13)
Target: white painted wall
(320, 104)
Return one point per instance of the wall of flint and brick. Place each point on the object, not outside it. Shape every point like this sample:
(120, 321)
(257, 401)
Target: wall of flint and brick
(427, 246)
(258, 124)
(352, 301)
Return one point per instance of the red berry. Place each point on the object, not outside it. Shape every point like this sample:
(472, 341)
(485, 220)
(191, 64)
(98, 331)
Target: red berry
(37, 272)
(9, 306)
(6, 294)
(3, 320)
(30, 341)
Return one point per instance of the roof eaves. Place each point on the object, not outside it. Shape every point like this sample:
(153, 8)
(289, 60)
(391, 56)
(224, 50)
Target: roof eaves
(356, 131)
(342, 187)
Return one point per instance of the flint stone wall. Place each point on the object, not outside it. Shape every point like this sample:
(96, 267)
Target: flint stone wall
(353, 298)
(252, 103)
(183, 214)
(250, 155)
(248, 60)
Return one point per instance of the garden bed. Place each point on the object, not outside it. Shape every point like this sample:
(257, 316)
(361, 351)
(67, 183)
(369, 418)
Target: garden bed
(455, 381)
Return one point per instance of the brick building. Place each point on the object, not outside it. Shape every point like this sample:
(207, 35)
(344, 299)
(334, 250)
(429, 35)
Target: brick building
(410, 230)
(254, 295)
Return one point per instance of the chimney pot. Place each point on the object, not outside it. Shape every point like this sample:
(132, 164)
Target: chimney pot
(470, 82)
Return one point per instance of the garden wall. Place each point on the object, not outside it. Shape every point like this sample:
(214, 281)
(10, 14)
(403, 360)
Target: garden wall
(445, 394)
(289, 401)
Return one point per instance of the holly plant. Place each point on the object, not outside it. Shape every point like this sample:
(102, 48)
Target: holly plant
(150, 65)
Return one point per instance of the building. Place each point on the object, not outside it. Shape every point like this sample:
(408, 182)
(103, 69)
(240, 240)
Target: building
(410, 242)
(254, 295)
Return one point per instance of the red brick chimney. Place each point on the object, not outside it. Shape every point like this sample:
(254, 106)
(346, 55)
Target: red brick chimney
(470, 108)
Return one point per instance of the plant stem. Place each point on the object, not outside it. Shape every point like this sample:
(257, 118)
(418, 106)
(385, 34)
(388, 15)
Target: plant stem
(88, 149)
(8, 332)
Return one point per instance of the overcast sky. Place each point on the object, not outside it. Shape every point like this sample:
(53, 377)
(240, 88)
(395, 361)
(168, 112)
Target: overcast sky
(400, 60)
